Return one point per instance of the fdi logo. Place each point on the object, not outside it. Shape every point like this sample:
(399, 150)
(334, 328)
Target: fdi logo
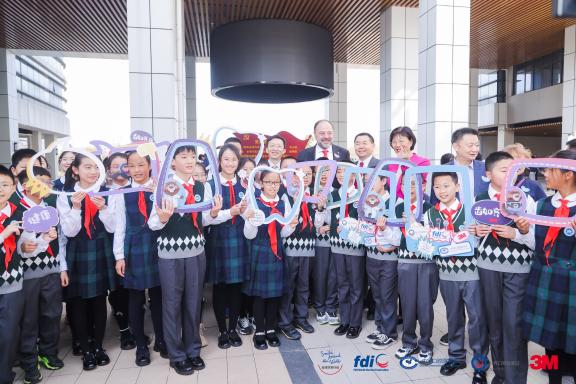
(371, 363)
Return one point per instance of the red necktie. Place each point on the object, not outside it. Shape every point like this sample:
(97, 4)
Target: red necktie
(232, 198)
(361, 164)
(412, 209)
(142, 206)
(494, 234)
(325, 153)
(90, 211)
(346, 213)
(552, 233)
(448, 213)
(10, 241)
(272, 226)
(306, 220)
(191, 199)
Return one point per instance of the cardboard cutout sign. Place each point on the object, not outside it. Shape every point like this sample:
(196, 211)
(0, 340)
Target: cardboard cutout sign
(488, 212)
(359, 182)
(319, 165)
(261, 138)
(40, 219)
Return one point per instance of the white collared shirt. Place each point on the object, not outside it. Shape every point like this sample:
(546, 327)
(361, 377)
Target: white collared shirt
(274, 165)
(250, 231)
(557, 197)
(470, 168)
(452, 207)
(319, 152)
(365, 162)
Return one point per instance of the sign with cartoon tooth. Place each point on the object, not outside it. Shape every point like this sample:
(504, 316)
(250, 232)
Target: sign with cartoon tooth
(331, 204)
(432, 236)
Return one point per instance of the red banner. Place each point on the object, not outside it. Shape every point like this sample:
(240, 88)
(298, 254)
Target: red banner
(251, 144)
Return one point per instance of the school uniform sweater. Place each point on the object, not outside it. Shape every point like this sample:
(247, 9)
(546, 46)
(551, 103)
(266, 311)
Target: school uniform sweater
(392, 236)
(11, 273)
(337, 245)
(404, 255)
(302, 242)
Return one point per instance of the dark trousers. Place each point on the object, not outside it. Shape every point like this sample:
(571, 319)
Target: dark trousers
(89, 317)
(246, 306)
(297, 270)
(325, 287)
(383, 278)
(227, 297)
(11, 310)
(182, 281)
(118, 300)
(503, 294)
(350, 277)
(265, 313)
(418, 289)
(41, 320)
(136, 311)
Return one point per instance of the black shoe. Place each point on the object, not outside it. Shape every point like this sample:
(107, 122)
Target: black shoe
(451, 367)
(341, 330)
(370, 314)
(76, 349)
(479, 377)
(290, 332)
(142, 356)
(32, 374)
(223, 340)
(304, 326)
(101, 357)
(444, 339)
(160, 347)
(127, 340)
(272, 339)
(88, 361)
(148, 340)
(197, 363)
(235, 339)
(51, 363)
(353, 332)
(182, 367)
(259, 340)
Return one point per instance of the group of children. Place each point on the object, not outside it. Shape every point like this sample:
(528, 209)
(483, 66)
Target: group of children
(135, 252)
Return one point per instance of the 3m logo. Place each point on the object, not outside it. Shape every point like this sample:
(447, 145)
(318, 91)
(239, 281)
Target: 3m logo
(539, 362)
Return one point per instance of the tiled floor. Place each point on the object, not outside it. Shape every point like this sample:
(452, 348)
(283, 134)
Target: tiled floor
(293, 362)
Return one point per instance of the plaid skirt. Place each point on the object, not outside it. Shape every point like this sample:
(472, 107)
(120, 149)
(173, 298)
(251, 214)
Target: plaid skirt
(91, 267)
(226, 254)
(141, 253)
(550, 305)
(266, 272)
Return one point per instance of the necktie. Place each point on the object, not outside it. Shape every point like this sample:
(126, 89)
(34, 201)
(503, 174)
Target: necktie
(325, 153)
(191, 199)
(361, 164)
(494, 234)
(449, 214)
(142, 206)
(552, 233)
(90, 211)
(232, 198)
(10, 241)
(306, 219)
(346, 213)
(272, 227)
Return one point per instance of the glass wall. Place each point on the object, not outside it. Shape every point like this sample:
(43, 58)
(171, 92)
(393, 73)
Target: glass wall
(540, 73)
(37, 82)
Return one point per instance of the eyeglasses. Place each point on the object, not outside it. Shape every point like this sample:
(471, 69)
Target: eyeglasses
(6, 186)
(271, 183)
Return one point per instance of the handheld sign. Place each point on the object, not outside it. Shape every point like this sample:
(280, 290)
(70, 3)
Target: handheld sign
(488, 212)
(40, 219)
(319, 165)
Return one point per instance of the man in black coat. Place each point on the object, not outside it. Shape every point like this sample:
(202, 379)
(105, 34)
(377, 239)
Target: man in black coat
(324, 134)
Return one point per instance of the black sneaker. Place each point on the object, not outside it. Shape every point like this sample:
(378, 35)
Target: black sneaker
(197, 363)
(259, 340)
(32, 374)
(160, 347)
(341, 330)
(127, 340)
(479, 377)
(272, 339)
(235, 340)
(444, 339)
(51, 363)
(101, 357)
(244, 326)
(76, 349)
(353, 332)
(304, 326)
(223, 340)
(451, 367)
(88, 361)
(290, 332)
(142, 356)
(182, 367)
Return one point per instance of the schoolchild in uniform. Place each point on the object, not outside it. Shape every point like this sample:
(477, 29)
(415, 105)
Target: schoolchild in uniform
(20, 160)
(64, 161)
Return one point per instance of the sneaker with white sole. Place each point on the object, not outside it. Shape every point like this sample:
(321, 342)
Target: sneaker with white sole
(372, 337)
(424, 358)
(244, 327)
(333, 318)
(383, 342)
(406, 351)
(322, 318)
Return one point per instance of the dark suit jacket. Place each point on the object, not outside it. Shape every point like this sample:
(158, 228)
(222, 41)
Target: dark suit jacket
(480, 185)
(309, 154)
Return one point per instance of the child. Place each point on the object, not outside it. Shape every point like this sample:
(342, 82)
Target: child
(299, 250)
(382, 271)
(87, 223)
(549, 303)
(418, 290)
(227, 249)
(200, 173)
(266, 267)
(11, 276)
(136, 256)
(20, 160)
(182, 267)
(42, 288)
(324, 286)
(459, 283)
(349, 262)
(503, 280)
(64, 161)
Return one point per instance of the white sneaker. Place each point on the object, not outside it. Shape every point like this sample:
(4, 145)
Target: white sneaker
(405, 351)
(383, 342)
(372, 337)
(425, 358)
(322, 318)
(333, 318)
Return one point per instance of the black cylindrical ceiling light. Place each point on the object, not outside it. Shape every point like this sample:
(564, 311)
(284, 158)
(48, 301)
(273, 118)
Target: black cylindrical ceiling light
(271, 61)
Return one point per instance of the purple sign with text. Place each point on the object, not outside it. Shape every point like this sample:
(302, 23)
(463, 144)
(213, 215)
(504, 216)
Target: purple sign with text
(40, 219)
(488, 212)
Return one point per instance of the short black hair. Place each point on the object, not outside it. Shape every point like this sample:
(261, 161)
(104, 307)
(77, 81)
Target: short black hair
(369, 136)
(64, 154)
(276, 137)
(405, 132)
(184, 148)
(495, 157)
(245, 160)
(446, 158)
(113, 156)
(232, 139)
(38, 171)
(567, 154)
(19, 155)
(130, 153)
(459, 133)
(6, 172)
(571, 144)
(453, 176)
(288, 158)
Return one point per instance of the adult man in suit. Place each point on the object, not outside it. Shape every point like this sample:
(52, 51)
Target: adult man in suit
(324, 134)
(364, 147)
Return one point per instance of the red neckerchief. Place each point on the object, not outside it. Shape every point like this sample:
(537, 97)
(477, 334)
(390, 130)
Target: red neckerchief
(191, 199)
(142, 206)
(90, 211)
(306, 219)
(10, 241)
(232, 198)
(552, 233)
(412, 209)
(272, 226)
(346, 213)
(449, 213)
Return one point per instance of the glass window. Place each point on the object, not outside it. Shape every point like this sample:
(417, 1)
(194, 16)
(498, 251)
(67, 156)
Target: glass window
(540, 73)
